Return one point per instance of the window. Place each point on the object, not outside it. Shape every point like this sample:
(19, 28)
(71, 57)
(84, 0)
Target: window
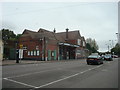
(34, 53)
(28, 53)
(79, 42)
(52, 53)
(31, 53)
(38, 52)
(83, 43)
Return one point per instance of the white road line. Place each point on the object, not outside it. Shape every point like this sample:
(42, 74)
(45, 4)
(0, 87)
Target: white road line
(66, 78)
(50, 82)
(27, 74)
(89, 69)
(20, 83)
(57, 80)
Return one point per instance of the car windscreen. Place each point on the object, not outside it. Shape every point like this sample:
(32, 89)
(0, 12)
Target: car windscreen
(93, 56)
(107, 56)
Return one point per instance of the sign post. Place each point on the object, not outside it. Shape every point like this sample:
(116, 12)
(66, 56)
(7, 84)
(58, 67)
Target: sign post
(20, 53)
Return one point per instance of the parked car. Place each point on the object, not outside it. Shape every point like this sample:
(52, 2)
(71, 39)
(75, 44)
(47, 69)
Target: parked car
(103, 57)
(94, 59)
(114, 56)
(108, 57)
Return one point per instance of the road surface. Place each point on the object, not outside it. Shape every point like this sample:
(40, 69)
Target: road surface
(62, 74)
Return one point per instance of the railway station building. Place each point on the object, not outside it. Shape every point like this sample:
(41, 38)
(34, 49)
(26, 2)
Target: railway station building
(49, 45)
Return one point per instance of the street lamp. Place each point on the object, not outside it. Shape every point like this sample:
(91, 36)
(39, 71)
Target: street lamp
(17, 53)
(41, 40)
(118, 37)
(107, 46)
(112, 43)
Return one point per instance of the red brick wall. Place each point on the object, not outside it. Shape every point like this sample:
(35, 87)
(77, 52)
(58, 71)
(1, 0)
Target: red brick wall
(72, 41)
(31, 46)
(52, 47)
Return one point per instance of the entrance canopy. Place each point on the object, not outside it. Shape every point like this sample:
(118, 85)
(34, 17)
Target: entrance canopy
(67, 44)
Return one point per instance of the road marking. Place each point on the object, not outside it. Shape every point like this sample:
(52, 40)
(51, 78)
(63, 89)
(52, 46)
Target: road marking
(49, 82)
(104, 70)
(66, 77)
(32, 73)
(57, 80)
(20, 83)
(89, 69)
(27, 74)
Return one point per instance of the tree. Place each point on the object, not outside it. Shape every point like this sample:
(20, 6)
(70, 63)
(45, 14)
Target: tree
(18, 36)
(116, 49)
(8, 35)
(9, 38)
(91, 45)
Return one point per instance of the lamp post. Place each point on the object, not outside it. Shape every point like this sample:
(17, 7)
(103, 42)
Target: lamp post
(45, 44)
(17, 53)
(112, 43)
(107, 46)
(118, 37)
(41, 40)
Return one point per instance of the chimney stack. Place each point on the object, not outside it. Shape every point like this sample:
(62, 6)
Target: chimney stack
(54, 30)
(67, 33)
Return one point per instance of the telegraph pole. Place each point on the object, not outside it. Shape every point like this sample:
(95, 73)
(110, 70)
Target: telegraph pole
(17, 53)
(44, 48)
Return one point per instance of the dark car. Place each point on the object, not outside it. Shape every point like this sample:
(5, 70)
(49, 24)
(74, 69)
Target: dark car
(94, 59)
(108, 57)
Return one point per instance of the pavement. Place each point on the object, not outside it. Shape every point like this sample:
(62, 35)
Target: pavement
(13, 62)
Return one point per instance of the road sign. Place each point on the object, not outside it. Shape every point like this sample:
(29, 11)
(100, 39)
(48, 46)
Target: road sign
(21, 46)
(20, 53)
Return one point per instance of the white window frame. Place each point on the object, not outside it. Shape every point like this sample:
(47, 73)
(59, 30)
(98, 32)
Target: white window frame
(28, 53)
(31, 53)
(79, 41)
(83, 43)
(38, 52)
(34, 53)
(52, 53)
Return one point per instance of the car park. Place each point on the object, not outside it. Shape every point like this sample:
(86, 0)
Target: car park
(94, 59)
(108, 57)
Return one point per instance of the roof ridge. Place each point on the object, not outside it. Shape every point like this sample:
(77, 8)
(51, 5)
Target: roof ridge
(68, 31)
(42, 30)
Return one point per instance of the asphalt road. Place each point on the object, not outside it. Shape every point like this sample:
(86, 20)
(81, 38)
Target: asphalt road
(62, 74)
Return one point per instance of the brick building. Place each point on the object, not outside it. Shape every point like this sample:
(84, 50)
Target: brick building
(47, 45)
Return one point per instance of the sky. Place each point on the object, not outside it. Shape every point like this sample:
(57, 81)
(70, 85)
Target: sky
(96, 20)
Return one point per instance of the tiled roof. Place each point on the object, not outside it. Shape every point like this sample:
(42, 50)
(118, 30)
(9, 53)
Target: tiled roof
(28, 31)
(61, 36)
(72, 35)
(40, 34)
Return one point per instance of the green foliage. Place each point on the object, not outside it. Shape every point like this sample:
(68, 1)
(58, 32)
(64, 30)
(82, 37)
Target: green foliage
(116, 49)
(9, 35)
(91, 45)
(9, 38)
(18, 36)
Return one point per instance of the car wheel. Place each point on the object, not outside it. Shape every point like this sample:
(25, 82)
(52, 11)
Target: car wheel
(88, 63)
(98, 63)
